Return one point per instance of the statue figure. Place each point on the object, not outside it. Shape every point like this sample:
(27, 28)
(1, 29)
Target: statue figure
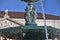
(6, 14)
(33, 14)
(30, 15)
(27, 14)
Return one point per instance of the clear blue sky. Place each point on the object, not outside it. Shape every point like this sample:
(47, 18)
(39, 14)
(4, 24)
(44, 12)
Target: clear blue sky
(50, 6)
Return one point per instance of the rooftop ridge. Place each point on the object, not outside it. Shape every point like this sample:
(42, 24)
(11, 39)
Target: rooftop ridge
(21, 15)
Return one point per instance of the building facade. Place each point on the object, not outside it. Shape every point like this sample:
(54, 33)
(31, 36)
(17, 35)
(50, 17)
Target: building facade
(13, 19)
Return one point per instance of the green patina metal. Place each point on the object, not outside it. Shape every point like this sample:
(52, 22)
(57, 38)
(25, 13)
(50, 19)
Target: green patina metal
(29, 30)
(30, 15)
(27, 27)
(23, 28)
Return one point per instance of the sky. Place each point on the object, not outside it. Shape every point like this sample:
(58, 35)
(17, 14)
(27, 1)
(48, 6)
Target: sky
(50, 6)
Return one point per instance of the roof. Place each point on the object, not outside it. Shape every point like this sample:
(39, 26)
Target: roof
(21, 15)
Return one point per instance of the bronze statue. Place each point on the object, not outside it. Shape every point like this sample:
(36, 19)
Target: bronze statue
(30, 15)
